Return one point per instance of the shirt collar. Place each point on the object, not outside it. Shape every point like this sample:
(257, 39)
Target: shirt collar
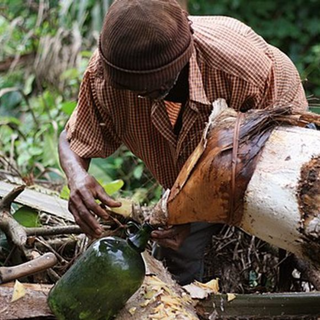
(196, 89)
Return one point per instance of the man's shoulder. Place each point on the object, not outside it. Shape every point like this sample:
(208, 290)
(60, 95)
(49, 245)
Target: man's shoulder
(220, 21)
(230, 46)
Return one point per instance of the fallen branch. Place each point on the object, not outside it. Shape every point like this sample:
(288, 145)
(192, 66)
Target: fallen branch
(58, 244)
(8, 224)
(36, 265)
(7, 200)
(52, 231)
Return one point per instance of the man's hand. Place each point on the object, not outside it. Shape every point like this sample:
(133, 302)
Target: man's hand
(84, 190)
(171, 237)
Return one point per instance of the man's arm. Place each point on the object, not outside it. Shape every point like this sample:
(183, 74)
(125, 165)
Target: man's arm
(84, 190)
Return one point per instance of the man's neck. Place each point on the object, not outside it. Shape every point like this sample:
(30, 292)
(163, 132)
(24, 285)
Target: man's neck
(180, 91)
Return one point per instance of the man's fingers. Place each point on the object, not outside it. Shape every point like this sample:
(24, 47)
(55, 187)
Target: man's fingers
(85, 219)
(107, 200)
(172, 237)
(94, 207)
(88, 231)
(83, 205)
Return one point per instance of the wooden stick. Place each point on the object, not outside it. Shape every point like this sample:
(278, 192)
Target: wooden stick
(36, 265)
(5, 202)
(51, 231)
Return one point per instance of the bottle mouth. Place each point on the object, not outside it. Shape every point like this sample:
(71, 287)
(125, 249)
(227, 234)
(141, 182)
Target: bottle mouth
(134, 246)
(138, 236)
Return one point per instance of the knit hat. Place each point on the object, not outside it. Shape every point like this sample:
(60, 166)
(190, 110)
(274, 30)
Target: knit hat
(144, 43)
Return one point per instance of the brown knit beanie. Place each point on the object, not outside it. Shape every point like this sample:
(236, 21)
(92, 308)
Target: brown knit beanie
(145, 43)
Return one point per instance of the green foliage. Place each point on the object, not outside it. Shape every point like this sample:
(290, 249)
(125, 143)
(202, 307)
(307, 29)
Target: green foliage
(27, 217)
(292, 26)
(113, 187)
(48, 45)
(33, 109)
(88, 14)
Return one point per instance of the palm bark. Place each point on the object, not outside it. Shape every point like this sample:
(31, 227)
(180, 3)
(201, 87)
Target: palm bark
(260, 172)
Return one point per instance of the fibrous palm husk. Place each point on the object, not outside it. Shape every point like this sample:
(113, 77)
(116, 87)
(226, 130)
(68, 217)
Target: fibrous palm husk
(259, 171)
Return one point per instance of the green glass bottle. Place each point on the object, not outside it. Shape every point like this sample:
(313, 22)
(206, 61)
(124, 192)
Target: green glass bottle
(100, 282)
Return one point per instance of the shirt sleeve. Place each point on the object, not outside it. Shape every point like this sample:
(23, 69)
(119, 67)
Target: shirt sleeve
(244, 96)
(90, 128)
(276, 92)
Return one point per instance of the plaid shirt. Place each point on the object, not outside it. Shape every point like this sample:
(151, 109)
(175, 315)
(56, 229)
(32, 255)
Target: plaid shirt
(229, 61)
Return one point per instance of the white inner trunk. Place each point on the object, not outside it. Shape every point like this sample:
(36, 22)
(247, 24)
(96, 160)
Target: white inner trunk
(271, 206)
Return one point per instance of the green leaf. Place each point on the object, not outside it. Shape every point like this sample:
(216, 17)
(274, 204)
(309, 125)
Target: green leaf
(110, 188)
(65, 193)
(113, 187)
(97, 17)
(86, 54)
(35, 151)
(9, 120)
(68, 107)
(50, 151)
(82, 7)
(71, 73)
(28, 85)
(137, 172)
(27, 217)
(97, 171)
(23, 158)
(49, 98)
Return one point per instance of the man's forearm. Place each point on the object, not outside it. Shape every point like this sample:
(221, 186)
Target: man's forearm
(84, 190)
(70, 162)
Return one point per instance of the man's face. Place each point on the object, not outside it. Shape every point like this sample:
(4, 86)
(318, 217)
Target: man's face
(154, 94)
(158, 94)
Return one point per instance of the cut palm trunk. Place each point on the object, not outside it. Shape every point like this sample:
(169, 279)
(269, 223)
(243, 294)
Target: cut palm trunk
(259, 171)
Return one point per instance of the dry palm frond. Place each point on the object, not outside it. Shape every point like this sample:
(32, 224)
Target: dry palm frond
(58, 54)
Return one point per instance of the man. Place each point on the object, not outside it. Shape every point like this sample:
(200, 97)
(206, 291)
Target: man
(150, 85)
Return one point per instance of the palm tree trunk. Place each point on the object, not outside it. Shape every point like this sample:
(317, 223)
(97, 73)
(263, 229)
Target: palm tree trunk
(264, 179)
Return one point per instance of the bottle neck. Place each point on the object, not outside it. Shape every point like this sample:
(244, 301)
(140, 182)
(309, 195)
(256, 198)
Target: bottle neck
(139, 239)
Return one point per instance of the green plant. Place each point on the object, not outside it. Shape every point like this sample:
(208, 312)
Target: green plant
(46, 46)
